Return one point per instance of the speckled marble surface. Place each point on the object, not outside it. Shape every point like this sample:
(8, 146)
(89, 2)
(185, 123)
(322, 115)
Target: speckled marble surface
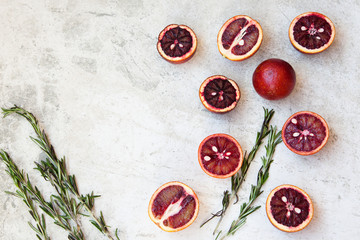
(128, 121)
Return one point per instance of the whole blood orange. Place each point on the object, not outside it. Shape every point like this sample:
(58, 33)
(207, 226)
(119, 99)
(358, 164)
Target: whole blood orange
(311, 32)
(220, 155)
(177, 43)
(289, 208)
(274, 79)
(305, 133)
(219, 94)
(174, 206)
(239, 38)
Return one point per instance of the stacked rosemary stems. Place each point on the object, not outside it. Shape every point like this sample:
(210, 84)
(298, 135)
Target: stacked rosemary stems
(67, 205)
(246, 208)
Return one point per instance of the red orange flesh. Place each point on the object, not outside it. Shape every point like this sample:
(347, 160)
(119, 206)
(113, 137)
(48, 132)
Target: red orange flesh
(239, 38)
(173, 207)
(311, 32)
(177, 43)
(305, 133)
(220, 155)
(219, 94)
(289, 208)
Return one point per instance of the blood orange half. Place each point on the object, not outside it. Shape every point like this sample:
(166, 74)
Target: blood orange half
(220, 155)
(311, 32)
(177, 43)
(289, 208)
(305, 133)
(219, 94)
(239, 38)
(174, 206)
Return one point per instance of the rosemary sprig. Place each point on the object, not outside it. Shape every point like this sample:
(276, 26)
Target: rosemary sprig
(20, 182)
(54, 170)
(247, 207)
(30, 195)
(239, 177)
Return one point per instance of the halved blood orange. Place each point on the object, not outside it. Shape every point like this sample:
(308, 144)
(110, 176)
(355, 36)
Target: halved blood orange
(305, 133)
(239, 38)
(289, 208)
(311, 32)
(220, 155)
(219, 94)
(177, 43)
(174, 206)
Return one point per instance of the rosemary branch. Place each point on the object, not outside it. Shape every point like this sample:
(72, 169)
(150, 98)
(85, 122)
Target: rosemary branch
(247, 207)
(54, 170)
(20, 182)
(239, 177)
(31, 194)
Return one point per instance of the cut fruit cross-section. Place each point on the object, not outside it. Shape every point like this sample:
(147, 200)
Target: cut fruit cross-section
(219, 94)
(177, 43)
(305, 133)
(311, 32)
(289, 208)
(220, 155)
(239, 38)
(174, 206)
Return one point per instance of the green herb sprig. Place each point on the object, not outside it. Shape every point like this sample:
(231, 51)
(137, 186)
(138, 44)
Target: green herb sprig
(54, 170)
(247, 208)
(31, 195)
(239, 177)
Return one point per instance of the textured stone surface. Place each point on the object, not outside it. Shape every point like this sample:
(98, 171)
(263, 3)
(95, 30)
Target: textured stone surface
(128, 121)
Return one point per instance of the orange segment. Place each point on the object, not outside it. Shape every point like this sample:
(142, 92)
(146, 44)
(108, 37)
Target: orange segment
(289, 208)
(311, 32)
(177, 43)
(220, 155)
(174, 206)
(239, 38)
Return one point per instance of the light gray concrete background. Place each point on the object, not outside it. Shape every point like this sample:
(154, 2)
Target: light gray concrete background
(128, 121)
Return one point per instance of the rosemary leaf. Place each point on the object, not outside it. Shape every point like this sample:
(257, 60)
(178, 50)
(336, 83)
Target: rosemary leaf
(96, 225)
(116, 234)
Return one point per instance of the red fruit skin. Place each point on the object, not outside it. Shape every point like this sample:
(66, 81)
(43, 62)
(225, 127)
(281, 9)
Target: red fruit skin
(274, 79)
